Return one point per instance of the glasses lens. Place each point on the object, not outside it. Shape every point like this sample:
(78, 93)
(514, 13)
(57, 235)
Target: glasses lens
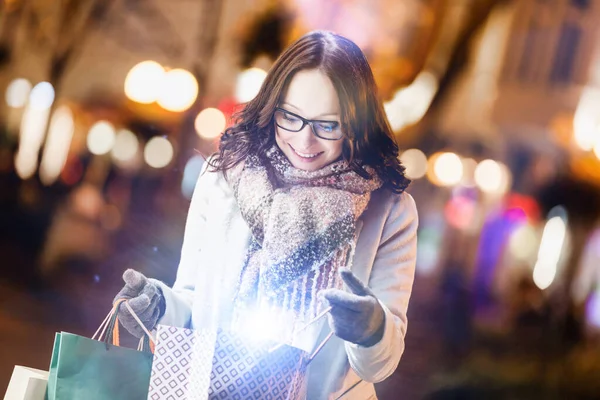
(328, 130)
(288, 121)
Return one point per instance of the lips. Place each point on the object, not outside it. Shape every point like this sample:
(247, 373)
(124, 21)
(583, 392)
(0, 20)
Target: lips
(306, 156)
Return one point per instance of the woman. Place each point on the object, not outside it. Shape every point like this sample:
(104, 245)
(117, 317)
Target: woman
(303, 208)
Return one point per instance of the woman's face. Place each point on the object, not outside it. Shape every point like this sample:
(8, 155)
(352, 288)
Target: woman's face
(311, 95)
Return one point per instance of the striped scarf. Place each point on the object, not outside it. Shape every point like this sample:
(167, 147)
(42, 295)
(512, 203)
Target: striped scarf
(303, 228)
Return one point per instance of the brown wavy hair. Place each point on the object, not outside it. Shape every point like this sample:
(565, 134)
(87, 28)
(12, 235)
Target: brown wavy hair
(368, 141)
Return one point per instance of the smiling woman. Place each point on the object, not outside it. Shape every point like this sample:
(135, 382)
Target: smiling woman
(301, 214)
(305, 143)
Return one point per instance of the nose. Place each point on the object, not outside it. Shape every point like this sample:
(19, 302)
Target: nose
(306, 137)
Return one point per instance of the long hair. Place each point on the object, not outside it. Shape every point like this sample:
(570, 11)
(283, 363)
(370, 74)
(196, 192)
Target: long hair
(368, 140)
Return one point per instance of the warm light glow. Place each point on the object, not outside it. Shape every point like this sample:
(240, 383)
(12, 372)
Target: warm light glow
(32, 131)
(549, 252)
(18, 92)
(101, 138)
(448, 169)
(158, 152)
(88, 201)
(57, 145)
(190, 175)
(488, 176)
(597, 149)
(126, 146)
(415, 162)
(143, 82)
(179, 90)
(410, 104)
(586, 122)
(522, 243)
(249, 83)
(210, 123)
(41, 96)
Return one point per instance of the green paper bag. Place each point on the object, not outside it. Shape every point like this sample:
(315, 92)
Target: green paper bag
(88, 369)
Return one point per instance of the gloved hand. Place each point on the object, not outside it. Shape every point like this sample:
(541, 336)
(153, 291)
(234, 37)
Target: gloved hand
(356, 317)
(146, 300)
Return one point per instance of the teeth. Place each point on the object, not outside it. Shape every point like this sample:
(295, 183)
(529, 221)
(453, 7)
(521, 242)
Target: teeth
(306, 155)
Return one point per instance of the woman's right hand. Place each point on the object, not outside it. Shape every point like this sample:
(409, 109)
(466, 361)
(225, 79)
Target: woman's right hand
(145, 299)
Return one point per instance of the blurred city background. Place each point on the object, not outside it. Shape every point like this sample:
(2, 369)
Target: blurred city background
(110, 106)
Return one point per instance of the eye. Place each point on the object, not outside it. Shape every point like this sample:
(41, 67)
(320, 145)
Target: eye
(328, 126)
(289, 117)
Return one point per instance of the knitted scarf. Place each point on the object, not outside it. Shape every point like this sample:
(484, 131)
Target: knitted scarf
(303, 226)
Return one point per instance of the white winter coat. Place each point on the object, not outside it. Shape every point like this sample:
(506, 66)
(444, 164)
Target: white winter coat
(215, 242)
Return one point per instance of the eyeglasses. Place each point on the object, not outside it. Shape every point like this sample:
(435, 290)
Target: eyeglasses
(328, 130)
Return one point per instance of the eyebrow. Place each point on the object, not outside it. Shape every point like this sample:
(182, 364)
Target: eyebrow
(332, 114)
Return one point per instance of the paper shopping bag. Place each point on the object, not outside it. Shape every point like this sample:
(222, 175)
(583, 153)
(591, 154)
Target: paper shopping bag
(197, 364)
(182, 363)
(26, 384)
(83, 368)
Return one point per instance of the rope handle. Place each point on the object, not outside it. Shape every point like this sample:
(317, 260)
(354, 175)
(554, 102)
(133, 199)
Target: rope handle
(108, 320)
(137, 319)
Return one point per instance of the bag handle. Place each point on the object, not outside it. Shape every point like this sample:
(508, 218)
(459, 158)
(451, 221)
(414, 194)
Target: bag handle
(109, 328)
(321, 345)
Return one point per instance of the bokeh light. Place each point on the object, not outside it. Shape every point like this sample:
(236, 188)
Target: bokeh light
(18, 92)
(585, 121)
(158, 152)
(178, 90)
(460, 212)
(209, 123)
(522, 243)
(88, 201)
(448, 169)
(597, 149)
(101, 138)
(143, 82)
(41, 96)
(410, 104)
(415, 162)
(32, 129)
(549, 252)
(249, 83)
(126, 146)
(489, 176)
(57, 145)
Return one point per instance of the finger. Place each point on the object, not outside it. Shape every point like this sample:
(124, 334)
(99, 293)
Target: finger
(339, 298)
(139, 304)
(134, 279)
(353, 283)
(150, 290)
(150, 310)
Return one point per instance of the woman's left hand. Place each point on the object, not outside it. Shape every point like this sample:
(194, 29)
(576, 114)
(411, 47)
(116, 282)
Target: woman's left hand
(356, 317)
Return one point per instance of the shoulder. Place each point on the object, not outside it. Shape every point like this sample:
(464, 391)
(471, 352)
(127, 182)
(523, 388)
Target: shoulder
(394, 205)
(210, 181)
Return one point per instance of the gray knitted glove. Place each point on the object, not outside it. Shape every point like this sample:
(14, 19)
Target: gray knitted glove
(356, 317)
(146, 300)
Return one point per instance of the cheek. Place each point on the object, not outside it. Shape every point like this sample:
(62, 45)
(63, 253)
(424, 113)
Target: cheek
(335, 148)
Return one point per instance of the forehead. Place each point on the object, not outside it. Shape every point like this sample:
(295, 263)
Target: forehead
(312, 94)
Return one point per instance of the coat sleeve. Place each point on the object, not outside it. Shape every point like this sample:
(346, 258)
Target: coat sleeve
(179, 299)
(391, 280)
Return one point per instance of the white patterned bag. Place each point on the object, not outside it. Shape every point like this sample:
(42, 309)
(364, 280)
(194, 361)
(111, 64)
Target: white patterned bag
(194, 364)
(182, 364)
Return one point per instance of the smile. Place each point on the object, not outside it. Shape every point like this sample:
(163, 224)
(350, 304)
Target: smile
(305, 155)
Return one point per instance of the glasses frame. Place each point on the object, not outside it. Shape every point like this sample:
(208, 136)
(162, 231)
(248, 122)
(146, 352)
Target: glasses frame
(305, 122)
